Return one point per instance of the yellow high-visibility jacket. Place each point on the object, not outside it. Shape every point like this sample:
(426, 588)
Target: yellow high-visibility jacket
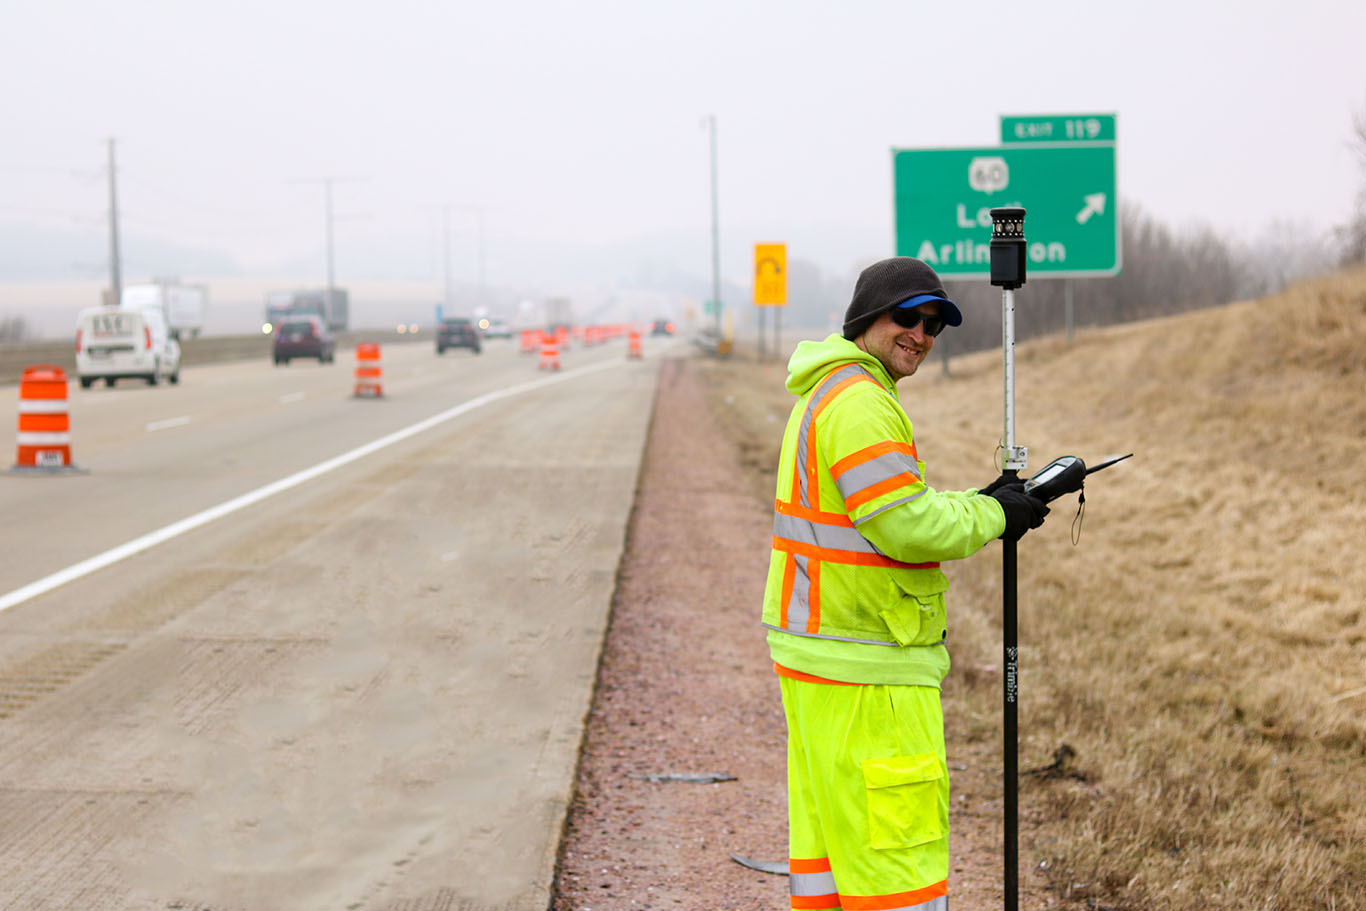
(854, 590)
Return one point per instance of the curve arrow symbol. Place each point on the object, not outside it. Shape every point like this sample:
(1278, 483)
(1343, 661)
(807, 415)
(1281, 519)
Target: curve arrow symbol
(1095, 205)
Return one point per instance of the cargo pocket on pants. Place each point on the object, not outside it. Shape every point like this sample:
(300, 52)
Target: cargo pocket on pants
(903, 800)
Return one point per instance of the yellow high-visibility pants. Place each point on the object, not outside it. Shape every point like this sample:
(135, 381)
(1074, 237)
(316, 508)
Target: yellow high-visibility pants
(868, 797)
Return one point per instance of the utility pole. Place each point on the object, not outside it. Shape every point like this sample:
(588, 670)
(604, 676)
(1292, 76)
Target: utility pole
(479, 225)
(331, 278)
(446, 251)
(710, 121)
(327, 192)
(115, 274)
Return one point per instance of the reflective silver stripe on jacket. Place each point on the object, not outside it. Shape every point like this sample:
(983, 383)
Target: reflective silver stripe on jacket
(874, 471)
(818, 534)
(938, 903)
(822, 393)
(809, 884)
(797, 632)
(799, 608)
(835, 537)
(886, 506)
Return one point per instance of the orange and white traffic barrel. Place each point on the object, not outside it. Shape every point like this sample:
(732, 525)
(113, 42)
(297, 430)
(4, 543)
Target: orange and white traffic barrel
(550, 351)
(633, 348)
(531, 340)
(368, 370)
(44, 438)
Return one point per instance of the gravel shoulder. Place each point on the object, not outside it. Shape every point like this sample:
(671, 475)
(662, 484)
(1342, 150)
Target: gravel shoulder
(685, 687)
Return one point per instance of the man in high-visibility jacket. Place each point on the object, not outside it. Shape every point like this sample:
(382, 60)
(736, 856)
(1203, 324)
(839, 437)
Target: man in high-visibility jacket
(855, 604)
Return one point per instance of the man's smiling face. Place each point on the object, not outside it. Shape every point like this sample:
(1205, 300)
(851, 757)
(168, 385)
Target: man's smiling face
(900, 350)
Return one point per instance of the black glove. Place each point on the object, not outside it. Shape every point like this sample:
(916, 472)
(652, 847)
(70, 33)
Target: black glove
(1005, 480)
(1023, 512)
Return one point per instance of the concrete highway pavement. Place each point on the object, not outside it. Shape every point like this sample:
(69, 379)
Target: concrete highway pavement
(364, 691)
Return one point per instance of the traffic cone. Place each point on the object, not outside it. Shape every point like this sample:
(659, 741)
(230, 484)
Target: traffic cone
(44, 437)
(633, 348)
(550, 352)
(368, 371)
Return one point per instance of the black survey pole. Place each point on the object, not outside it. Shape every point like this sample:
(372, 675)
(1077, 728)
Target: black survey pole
(1008, 273)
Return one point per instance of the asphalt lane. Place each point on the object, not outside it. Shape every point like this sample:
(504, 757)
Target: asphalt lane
(366, 691)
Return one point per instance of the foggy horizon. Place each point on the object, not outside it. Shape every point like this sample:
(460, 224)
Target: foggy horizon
(577, 136)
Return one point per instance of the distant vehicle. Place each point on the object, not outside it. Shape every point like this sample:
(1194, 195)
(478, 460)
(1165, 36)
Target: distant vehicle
(457, 332)
(662, 327)
(333, 309)
(494, 328)
(182, 305)
(559, 314)
(304, 336)
(117, 342)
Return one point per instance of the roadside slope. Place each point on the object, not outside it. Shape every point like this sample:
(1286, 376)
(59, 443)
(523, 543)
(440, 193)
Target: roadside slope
(1198, 652)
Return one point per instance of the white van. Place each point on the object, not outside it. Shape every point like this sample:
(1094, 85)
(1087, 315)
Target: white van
(114, 342)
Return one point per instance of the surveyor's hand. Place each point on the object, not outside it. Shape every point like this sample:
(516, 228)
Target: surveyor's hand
(1005, 480)
(1023, 512)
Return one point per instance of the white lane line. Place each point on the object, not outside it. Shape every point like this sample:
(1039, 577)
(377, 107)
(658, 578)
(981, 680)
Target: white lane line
(175, 529)
(293, 397)
(168, 423)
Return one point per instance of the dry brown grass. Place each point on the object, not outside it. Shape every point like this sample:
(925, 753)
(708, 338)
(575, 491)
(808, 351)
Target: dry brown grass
(1203, 650)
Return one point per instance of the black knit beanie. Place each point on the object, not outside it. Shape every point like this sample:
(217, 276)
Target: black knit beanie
(889, 282)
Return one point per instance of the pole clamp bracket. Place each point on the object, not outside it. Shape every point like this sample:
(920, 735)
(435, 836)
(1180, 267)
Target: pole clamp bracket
(1015, 458)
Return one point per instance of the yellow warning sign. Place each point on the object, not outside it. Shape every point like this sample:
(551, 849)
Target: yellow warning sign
(770, 275)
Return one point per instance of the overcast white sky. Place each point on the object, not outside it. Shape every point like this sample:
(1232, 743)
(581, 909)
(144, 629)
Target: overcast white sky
(579, 124)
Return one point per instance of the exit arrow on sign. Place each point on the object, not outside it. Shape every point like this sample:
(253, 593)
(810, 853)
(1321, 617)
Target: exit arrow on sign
(1095, 205)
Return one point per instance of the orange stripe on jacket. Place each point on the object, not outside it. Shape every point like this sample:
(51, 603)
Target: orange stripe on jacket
(873, 491)
(809, 678)
(829, 396)
(868, 453)
(893, 899)
(847, 557)
(829, 902)
(813, 515)
(789, 579)
(807, 864)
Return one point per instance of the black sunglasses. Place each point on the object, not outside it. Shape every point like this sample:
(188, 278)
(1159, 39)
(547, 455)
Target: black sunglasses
(909, 319)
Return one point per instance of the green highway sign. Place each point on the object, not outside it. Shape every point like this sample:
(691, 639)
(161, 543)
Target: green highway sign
(944, 197)
(1058, 128)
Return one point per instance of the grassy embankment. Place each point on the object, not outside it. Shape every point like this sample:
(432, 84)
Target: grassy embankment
(1203, 649)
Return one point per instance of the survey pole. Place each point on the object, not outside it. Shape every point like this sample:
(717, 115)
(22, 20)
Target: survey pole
(1008, 272)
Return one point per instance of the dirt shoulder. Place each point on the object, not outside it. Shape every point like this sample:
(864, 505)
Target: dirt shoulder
(686, 687)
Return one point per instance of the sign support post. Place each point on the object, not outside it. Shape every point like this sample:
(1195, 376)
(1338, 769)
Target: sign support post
(770, 290)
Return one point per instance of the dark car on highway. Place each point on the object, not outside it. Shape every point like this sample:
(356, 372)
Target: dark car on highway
(304, 336)
(662, 327)
(457, 332)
